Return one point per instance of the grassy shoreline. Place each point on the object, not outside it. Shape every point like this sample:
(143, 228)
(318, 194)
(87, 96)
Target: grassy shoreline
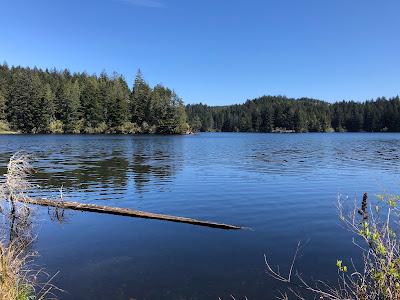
(8, 132)
(5, 128)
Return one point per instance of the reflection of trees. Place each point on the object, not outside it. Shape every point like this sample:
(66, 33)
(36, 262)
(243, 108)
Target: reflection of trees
(147, 160)
(155, 160)
(106, 172)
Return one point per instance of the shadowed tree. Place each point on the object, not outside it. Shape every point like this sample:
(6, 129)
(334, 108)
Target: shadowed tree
(140, 100)
(2, 107)
(92, 110)
(70, 106)
(43, 108)
(118, 110)
(23, 99)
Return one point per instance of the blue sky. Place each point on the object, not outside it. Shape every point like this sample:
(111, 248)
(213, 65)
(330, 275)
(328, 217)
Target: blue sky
(216, 51)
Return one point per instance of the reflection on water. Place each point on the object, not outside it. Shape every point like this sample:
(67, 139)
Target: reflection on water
(104, 173)
(155, 163)
(283, 186)
(92, 166)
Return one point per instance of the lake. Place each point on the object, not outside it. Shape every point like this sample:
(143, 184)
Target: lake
(284, 187)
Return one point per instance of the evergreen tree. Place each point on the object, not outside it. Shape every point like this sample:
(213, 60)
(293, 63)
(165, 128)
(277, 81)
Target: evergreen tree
(105, 97)
(41, 101)
(140, 100)
(118, 106)
(23, 98)
(170, 111)
(269, 119)
(92, 110)
(70, 107)
(2, 107)
(300, 123)
(196, 123)
(180, 116)
(4, 86)
(43, 108)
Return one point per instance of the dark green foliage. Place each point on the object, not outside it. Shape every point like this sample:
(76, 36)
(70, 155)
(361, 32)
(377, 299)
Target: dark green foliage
(51, 101)
(170, 111)
(91, 102)
(140, 104)
(269, 113)
(24, 100)
(70, 107)
(4, 83)
(117, 104)
(2, 106)
(37, 101)
(43, 108)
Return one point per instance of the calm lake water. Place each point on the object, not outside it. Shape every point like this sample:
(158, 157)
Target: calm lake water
(282, 186)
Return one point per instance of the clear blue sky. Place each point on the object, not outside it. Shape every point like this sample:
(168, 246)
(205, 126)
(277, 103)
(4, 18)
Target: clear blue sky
(216, 51)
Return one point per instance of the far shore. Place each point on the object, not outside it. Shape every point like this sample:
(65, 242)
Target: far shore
(10, 132)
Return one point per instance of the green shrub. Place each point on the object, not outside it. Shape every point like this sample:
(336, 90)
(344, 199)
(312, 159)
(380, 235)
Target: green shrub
(128, 128)
(101, 128)
(146, 128)
(56, 127)
(5, 128)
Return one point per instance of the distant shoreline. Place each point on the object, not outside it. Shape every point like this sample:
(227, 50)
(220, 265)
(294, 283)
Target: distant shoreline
(183, 134)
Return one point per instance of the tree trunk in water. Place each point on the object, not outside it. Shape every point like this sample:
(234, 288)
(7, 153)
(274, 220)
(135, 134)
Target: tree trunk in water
(124, 212)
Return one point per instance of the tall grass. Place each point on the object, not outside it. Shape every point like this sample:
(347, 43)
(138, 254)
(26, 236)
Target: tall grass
(19, 278)
(16, 283)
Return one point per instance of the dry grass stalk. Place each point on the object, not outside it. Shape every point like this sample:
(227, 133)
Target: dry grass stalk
(19, 279)
(14, 283)
(15, 188)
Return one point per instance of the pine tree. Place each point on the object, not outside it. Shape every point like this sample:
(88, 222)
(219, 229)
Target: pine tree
(196, 123)
(105, 97)
(269, 120)
(2, 107)
(118, 112)
(92, 110)
(43, 108)
(140, 100)
(23, 97)
(180, 117)
(300, 123)
(70, 107)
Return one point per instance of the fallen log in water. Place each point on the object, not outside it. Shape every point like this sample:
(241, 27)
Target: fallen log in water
(123, 212)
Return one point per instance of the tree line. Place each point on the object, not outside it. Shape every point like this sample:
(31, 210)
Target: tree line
(51, 101)
(279, 113)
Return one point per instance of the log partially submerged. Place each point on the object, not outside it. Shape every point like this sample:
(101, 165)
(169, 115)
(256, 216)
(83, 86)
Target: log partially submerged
(123, 212)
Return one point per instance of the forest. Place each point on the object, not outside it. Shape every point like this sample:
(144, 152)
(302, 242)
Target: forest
(279, 113)
(51, 101)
